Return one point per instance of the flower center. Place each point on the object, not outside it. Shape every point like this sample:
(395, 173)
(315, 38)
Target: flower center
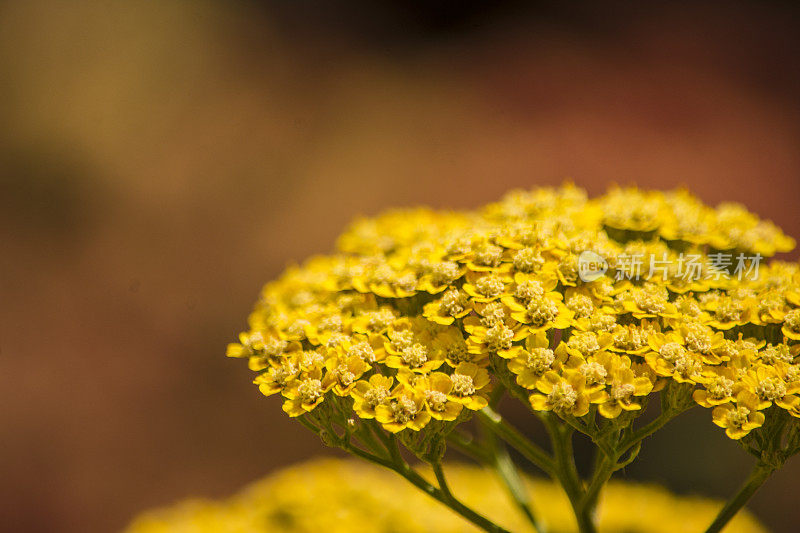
(489, 286)
(688, 367)
(492, 314)
(698, 340)
(528, 260)
(581, 305)
(274, 347)
(585, 343)
(540, 360)
(650, 303)
(594, 372)
(402, 339)
(415, 355)
(792, 320)
(407, 282)
(376, 396)
(499, 337)
(562, 397)
(309, 390)
(672, 351)
(568, 267)
(379, 320)
(363, 350)
(528, 290)
(630, 338)
(488, 255)
(622, 391)
(720, 387)
(404, 409)
(444, 273)
(542, 311)
(771, 389)
(453, 302)
(331, 323)
(437, 400)
(344, 375)
(773, 354)
(738, 417)
(462, 385)
(457, 352)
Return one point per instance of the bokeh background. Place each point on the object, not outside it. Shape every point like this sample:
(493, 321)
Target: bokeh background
(160, 160)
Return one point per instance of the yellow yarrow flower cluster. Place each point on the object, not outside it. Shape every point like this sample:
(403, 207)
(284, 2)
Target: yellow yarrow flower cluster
(421, 313)
(345, 496)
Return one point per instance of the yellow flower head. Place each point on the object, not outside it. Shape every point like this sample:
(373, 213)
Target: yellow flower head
(567, 300)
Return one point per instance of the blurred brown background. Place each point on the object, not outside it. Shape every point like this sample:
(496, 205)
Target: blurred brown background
(160, 160)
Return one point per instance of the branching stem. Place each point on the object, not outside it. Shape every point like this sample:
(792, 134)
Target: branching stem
(536, 455)
(757, 477)
(397, 464)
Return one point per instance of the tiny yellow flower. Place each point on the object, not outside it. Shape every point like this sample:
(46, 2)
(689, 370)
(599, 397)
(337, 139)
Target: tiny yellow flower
(791, 325)
(563, 394)
(542, 313)
(769, 386)
(739, 418)
(404, 409)
(597, 368)
(622, 388)
(304, 394)
(485, 257)
(436, 387)
(367, 395)
(452, 344)
(374, 321)
(277, 378)
(486, 287)
(532, 363)
(452, 305)
(718, 386)
(469, 385)
(342, 373)
(440, 276)
(632, 339)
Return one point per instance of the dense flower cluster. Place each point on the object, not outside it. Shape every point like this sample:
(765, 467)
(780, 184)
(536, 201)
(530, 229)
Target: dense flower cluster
(421, 313)
(344, 496)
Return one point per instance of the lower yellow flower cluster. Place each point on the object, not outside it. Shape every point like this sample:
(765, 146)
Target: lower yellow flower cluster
(345, 496)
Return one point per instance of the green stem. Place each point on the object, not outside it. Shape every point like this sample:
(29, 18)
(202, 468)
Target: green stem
(567, 473)
(388, 442)
(398, 465)
(495, 423)
(307, 423)
(645, 431)
(442, 493)
(757, 478)
(496, 395)
(365, 435)
(577, 425)
(467, 446)
(602, 474)
(506, 470)
(369, 456)
(440, 479)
